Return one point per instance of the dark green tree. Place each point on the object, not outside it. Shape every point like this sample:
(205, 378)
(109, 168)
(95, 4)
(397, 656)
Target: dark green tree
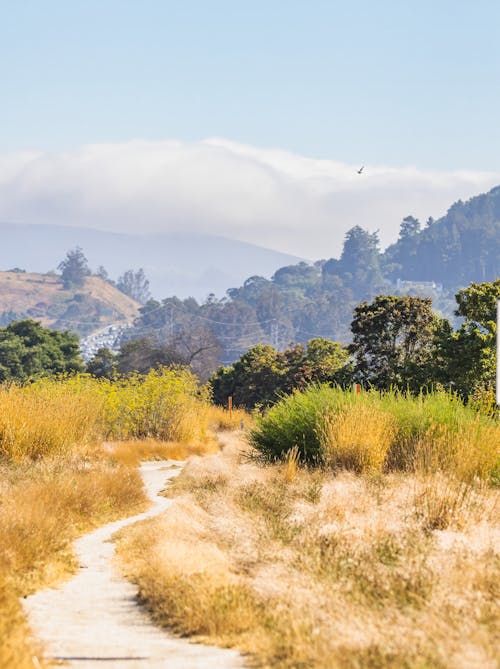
(29, 351)
(263, 374)
(468, 355)
(103, 364)
(393, 339)
(74, 268)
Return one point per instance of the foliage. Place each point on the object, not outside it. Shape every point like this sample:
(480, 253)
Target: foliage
(166, 404)
(392, 341)
(74, 268)
(468, 355)
(135, 285)
(303, 301)
(58, 415)
(461, 247)
(262, 374)
(103, 364)
(30, 351)
(142, 355)
(373, 431)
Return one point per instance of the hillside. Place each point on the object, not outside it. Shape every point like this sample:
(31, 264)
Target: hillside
(43, 298)
(303, 301)
(175, 264)
(460, 247)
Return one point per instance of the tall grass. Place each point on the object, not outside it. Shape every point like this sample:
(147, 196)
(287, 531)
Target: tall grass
(56, 481)
(55, 416)
(166, 404)
(43, 507)
(47, 417)
(377, 432)
(326, 565)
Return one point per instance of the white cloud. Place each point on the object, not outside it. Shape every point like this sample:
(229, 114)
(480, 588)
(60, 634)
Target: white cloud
(269, 197)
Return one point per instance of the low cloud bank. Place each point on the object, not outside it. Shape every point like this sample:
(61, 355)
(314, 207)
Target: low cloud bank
(268, 197)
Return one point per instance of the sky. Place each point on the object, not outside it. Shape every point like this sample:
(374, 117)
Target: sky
(247, 119)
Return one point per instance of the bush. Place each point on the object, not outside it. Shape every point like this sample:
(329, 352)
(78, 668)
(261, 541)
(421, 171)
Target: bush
(54, 416)
(374, 431)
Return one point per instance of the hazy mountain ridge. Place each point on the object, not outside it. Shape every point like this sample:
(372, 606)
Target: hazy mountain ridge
(175, 264)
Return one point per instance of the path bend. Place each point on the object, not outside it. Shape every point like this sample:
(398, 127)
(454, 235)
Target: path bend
(94, 621)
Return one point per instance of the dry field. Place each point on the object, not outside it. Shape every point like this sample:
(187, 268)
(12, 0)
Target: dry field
(44, 506)
(304, 568)
(57, 482)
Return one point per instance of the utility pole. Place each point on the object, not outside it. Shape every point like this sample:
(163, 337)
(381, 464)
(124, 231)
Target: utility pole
(171, 323)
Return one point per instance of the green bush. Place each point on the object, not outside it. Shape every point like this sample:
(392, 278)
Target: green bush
(376, 431)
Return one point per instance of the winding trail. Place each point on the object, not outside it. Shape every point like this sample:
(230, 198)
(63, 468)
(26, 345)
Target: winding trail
(94, 621)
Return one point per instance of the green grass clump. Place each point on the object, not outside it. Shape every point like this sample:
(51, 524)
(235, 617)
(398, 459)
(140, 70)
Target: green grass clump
(376, 432)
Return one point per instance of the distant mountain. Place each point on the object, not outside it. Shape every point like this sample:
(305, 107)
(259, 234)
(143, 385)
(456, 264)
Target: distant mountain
(460, 247)
(183, 265)
(42, 297)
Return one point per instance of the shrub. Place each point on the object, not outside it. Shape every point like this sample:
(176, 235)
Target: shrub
(374, 431)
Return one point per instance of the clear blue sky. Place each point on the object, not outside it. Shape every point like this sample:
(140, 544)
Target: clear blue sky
(391, 82)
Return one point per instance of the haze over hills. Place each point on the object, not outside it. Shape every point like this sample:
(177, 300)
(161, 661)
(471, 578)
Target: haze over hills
(175, 264)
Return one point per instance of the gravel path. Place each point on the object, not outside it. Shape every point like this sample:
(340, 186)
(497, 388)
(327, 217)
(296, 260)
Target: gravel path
(94, 621)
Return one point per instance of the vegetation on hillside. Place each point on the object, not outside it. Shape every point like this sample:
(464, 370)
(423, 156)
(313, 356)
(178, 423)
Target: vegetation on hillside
(398, 342)
(306, 301)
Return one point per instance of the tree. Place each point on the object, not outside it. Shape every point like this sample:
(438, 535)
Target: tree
(393, 340)
(263, 374)
(29, 351)
(103, 364)
(102, 273)
(135, 285)
(410, 227)
(468, 356)
(359, 263)
(74, 268)
(142, 355)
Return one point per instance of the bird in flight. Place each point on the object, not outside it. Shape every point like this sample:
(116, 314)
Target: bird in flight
(361, 169)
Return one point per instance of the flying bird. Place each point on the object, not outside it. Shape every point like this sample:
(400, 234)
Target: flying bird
(361, 169)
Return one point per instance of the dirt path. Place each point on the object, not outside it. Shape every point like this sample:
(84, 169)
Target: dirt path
(93, 620)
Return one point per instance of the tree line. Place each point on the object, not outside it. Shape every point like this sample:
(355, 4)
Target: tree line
(397, 342)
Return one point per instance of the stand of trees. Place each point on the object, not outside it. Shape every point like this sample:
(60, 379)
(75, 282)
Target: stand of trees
(398, 342)
(29, 351)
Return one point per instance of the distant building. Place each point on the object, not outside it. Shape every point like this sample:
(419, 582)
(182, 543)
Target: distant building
(423, 286)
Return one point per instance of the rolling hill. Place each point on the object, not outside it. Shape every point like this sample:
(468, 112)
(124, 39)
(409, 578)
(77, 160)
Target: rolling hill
(42, 297)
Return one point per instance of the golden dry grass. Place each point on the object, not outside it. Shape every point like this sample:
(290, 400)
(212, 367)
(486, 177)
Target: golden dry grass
(357, 439)
(132, 452)
(47, 418)
(43, 507)
(305, 568)
(220, 419)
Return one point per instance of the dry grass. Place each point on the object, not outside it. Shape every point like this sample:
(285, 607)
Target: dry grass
(43, 507)
(305, 568)
(357, 439)
(132, 452)
(36, 293)
(220, 419)
(47, 418)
